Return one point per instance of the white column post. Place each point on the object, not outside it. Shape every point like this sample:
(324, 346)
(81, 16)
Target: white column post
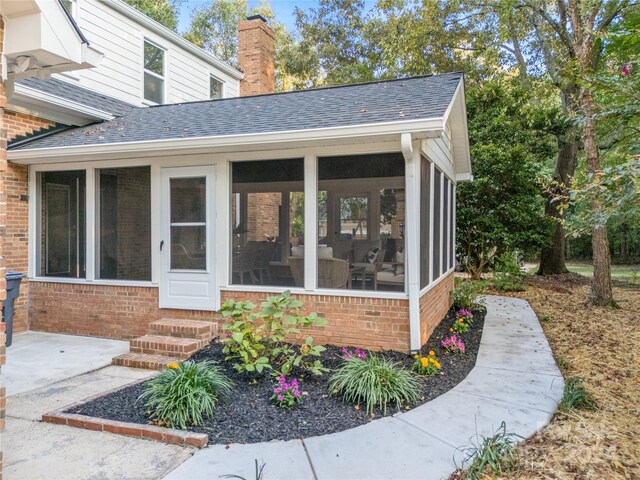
(310, 222)
(90, 215)
(411, 154)
(453, 226)
(221, 245)
(432, 210)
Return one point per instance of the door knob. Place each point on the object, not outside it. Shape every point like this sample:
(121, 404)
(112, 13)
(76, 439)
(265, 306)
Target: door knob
(161, 244)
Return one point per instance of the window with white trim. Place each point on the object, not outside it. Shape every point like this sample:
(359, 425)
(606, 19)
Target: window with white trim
(215, 88)
(154, 72)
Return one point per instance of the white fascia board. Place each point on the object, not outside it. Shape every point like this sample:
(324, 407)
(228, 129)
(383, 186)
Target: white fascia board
(418, 128)
(464, 177)
(170, 35)
(460, 131)
(40, 100)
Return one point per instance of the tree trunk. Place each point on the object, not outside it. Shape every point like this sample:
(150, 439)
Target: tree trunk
(601, 293)
(552, 256)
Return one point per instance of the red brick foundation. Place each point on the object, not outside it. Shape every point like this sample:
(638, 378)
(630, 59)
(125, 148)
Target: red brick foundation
(372, 323)
(99, 310)
(434, 305)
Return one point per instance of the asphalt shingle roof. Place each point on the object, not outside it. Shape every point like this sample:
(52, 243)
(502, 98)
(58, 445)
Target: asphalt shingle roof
(78, 94)
(368, 103)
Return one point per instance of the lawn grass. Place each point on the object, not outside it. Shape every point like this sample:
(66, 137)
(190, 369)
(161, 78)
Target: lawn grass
(628, 273)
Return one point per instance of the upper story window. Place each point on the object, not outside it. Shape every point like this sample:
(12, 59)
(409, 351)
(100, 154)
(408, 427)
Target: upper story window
(215, 88)
(154, 75)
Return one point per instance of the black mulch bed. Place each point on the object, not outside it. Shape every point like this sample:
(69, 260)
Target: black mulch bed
(248, 416)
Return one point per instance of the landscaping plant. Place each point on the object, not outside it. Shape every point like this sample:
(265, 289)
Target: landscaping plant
(271, 338)
(467, 294)
(357, 353)
(460, 326)
(575, 397)
(453, 344)
(374, 382)
(186, 393)
(427, 364)
(495, 455)
(286, 395)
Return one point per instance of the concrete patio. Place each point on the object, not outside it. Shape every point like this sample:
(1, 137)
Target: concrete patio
(515, 380)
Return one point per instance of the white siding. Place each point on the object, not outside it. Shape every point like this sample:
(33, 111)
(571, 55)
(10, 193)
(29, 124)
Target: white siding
(120, 74)
(437, 150)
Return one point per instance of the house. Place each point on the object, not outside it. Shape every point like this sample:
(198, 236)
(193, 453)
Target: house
(344, 195)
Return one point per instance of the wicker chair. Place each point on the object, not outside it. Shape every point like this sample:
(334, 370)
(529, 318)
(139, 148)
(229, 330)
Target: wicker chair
(245, 262)
(332, 272)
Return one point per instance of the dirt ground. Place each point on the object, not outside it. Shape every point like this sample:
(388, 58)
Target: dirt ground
(602, 346)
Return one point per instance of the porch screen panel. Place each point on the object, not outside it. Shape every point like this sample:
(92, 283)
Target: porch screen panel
(361, 221)
(267, 221)
(62, 224)
(445, 225)
(425, 227)
(452, 240)
(123, 250)
(437, 219)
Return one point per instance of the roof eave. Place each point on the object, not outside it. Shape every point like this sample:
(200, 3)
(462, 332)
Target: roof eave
(422, 128)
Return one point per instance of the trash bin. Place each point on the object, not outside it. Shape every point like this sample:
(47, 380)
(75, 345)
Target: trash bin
(13, 290)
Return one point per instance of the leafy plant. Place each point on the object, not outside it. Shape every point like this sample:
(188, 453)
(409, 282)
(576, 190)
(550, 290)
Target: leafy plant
(467, 295)
(357, 353)
(286, 395)
(376, 382)
(186, 393)
(426, 365)
(460, 326)
(497, 454)
(271, 338)
(453, 344)
(576, 397)
(505, 282)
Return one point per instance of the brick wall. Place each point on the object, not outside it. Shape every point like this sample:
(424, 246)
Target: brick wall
(256, 59)
(434, 305)
(263, 215)
(15, 179)
(99, 310)
(373, 323)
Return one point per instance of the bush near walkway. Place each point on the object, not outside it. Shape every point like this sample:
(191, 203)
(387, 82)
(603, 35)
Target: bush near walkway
(599, 345)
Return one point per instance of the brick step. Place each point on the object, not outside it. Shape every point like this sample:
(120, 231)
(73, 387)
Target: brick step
(173, 327)
(143, 360)
(168, 346)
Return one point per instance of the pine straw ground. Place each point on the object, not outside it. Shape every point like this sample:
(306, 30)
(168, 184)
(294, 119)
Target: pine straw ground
(602, 346)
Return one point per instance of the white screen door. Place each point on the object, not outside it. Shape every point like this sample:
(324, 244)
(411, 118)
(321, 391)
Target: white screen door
(188, 280)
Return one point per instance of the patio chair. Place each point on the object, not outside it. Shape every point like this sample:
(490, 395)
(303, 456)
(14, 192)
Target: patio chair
(371, 269)
(391, 275)
(245, 262)
(332, 272)
(263, 257)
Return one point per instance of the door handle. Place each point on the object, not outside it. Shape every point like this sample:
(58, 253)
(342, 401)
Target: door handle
(161, 244)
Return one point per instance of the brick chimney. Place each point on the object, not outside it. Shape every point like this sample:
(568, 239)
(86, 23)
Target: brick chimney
(256, 60)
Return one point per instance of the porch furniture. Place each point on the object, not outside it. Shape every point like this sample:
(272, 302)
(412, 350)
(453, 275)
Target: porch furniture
(392, 274)
(332, 272)
(370, 269)
(354, 272)
(323, 251)
(245, 262)
(263, 257)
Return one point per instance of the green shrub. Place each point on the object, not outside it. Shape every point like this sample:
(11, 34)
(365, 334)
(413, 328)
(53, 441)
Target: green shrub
(375, 382)
(271, 338)
(186, 394)
(497, 455)
(467, 294)
(508, 276)
(576, 397)
(506, 282)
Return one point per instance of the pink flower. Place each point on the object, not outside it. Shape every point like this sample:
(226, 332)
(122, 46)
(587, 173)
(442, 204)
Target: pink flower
(626, 69)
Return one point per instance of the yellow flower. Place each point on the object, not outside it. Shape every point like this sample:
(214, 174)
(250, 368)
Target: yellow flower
(431, 353)
(461, 320)
(172, 365)
(424, 362)
(451, 329)
(437, 364)
(432, 360)
(416, 356)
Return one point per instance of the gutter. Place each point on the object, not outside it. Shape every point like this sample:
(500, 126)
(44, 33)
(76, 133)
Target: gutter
(418, 128)
(139, 17)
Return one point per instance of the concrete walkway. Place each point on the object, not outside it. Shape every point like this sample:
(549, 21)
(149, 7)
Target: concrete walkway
(515, 380)
(46, 372)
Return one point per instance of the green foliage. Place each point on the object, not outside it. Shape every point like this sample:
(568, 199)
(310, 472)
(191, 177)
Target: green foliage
(375, 382)
(507, 274)
(460, 326)
(162, 11)
(467, 294)
(502, 209)
(426, 365)
(271, 338)
(495, 455)
(187, 394)
(576, 397)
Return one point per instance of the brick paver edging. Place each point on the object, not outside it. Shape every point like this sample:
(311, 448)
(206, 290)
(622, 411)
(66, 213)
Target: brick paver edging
(150, 432)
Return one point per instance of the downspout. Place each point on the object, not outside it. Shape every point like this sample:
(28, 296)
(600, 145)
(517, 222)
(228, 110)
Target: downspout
(412, 233)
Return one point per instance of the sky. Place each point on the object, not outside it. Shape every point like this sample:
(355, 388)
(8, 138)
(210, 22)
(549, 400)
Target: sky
(283, 10)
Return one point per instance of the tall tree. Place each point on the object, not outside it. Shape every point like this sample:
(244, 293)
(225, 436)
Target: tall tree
(162, 11)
